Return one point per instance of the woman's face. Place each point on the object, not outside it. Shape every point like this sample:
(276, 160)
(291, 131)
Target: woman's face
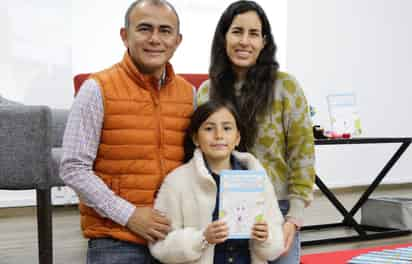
(244, 41)
(218, 135)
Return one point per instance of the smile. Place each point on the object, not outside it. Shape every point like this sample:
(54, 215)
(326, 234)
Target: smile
(243, 53)
(156, 52)
(218, 145)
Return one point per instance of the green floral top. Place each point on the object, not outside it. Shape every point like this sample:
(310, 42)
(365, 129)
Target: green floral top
(285, 144)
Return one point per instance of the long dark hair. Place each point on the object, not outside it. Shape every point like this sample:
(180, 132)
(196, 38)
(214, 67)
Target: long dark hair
(257, 92)
(200, 115)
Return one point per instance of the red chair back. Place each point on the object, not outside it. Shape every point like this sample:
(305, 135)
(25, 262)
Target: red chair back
(196, 79)
(78, 81)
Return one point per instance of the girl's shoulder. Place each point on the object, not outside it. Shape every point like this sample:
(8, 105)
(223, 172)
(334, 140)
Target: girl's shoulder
(179, 174)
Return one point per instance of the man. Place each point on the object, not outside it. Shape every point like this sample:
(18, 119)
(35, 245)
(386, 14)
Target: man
(124, 134)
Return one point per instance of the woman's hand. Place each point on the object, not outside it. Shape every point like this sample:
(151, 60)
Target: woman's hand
(216, 232)
(289, 232)
(260, 231)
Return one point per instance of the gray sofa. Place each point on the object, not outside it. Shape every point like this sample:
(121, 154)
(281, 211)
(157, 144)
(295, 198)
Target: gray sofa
(30, 151)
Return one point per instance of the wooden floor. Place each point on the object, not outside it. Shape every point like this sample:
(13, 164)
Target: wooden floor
(18, 243)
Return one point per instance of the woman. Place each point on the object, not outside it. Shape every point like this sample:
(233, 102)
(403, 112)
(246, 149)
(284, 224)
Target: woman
(189, 197)
(273, 109)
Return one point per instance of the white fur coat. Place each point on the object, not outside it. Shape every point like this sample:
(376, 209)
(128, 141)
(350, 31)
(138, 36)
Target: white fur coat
(187, 196)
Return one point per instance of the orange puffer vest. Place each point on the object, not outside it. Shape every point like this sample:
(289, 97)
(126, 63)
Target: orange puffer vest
(141, 139)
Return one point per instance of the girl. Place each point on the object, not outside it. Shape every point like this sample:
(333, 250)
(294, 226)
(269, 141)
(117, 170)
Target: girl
(189, 197)
(272, 107)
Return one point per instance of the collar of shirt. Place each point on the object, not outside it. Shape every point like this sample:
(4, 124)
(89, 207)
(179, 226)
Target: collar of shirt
(234, 163)
(162, 79)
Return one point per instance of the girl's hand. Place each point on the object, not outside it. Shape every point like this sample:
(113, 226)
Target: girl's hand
(260, 231)
(216, 232)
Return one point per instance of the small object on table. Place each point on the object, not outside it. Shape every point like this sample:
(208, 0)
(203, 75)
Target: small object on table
(318, 132)
(332, 134)
(335, 135)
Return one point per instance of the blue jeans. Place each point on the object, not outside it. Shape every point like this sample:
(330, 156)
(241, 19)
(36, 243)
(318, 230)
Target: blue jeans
(111, 251)
(293, 256)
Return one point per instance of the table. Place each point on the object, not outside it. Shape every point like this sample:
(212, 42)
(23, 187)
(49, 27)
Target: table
(348, 216)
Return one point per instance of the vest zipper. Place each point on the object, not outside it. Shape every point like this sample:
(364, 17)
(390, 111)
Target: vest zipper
(156, 101)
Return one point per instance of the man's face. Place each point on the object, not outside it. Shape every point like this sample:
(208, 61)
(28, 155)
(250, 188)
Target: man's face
(152, 37)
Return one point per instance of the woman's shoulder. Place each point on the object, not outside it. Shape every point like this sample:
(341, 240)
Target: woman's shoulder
(204, 85)
(287, 84)
(285, 77)
(202, 94)
(282, 75)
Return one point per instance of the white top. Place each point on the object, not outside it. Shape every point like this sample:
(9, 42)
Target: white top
(187, 197)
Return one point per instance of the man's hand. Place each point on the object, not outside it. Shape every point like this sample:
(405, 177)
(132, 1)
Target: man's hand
(149, 224)
(289, 231)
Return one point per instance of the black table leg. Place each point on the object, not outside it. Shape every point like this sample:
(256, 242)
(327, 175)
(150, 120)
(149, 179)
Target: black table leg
(395, 157)
(348, 217)
(338, 205)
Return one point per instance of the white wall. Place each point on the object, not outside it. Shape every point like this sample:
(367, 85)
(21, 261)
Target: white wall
(361, 46)
(45, 42)
(98, 33)
(35, 51)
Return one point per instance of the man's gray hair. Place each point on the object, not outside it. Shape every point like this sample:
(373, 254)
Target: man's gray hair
(151, 2)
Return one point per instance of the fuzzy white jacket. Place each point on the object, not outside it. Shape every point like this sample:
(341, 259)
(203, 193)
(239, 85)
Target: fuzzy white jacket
(187, 196)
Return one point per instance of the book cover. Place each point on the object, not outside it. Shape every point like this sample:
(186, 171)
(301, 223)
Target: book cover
(343, 113)
(241, 200)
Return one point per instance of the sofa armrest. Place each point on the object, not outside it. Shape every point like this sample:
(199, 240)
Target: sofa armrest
(59, 120)
(25, 140)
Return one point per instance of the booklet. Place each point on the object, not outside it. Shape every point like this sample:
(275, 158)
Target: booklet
(343, 114)
(241, 200)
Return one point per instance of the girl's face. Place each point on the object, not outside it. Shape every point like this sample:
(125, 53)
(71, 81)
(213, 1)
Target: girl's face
(244, 41)
(218, 136)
